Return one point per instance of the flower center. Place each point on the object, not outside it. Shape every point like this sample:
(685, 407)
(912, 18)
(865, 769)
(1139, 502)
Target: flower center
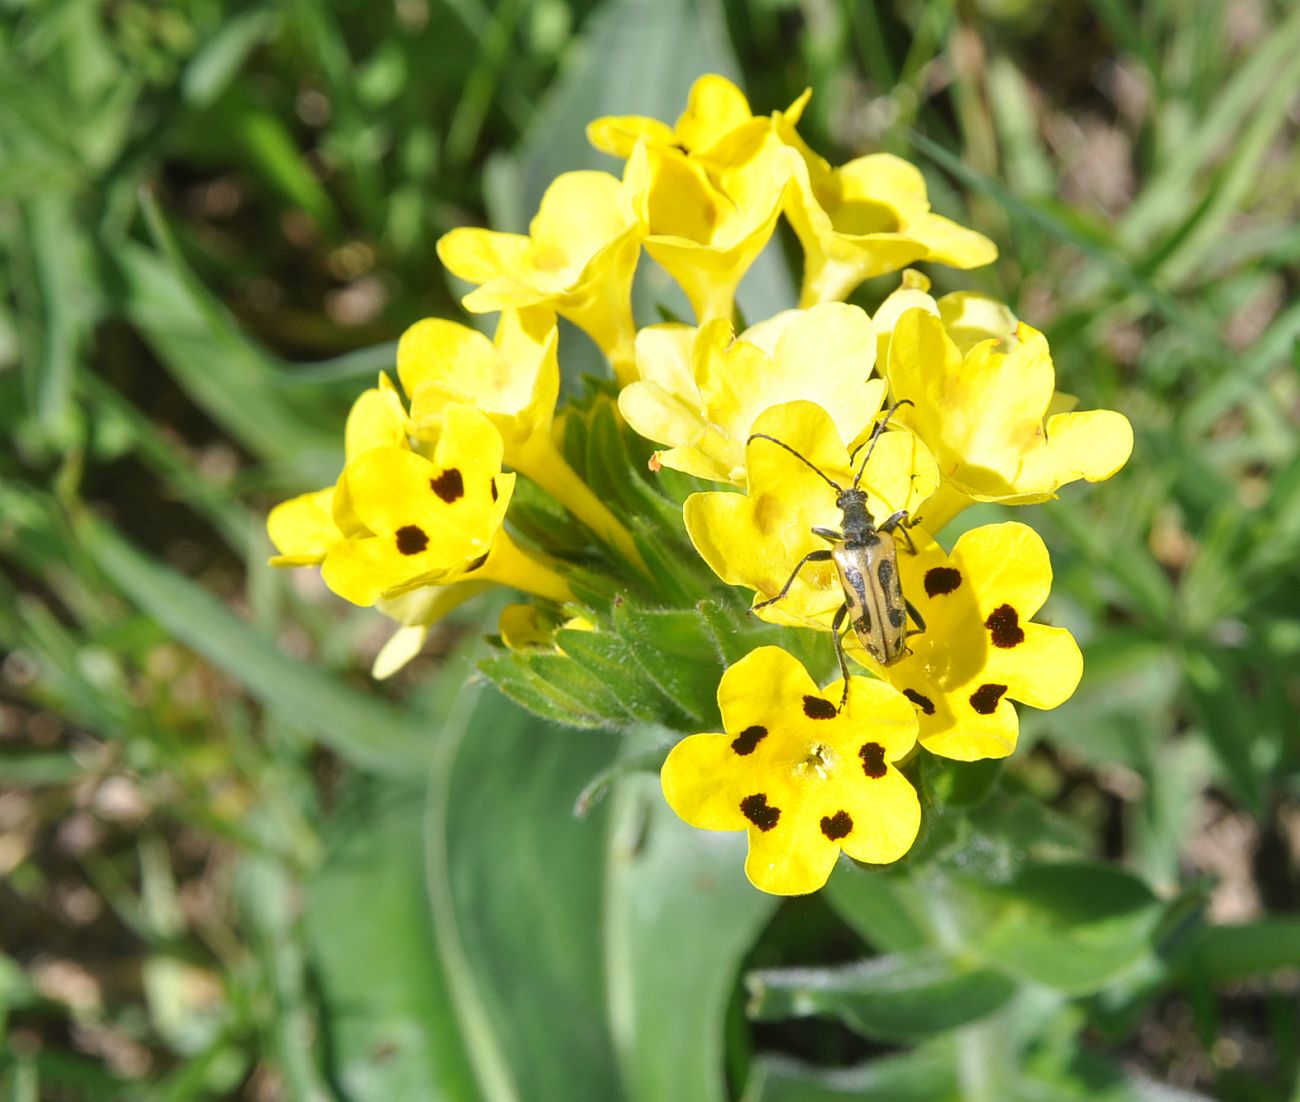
(819, 762)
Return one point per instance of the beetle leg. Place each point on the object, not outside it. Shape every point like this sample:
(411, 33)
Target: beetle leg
(812, 556)
(899, 524)
(920, 624)
(836, 624)
(829, 534)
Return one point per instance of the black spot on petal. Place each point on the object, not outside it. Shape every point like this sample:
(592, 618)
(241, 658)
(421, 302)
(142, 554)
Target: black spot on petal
(492, 485)
(477, 563)
(411, 540)
(755, 808)
(941, 579)
(814, 707)
(1004, 625)
(449, 485)
(923, 702)
(873, 760)
(749, 738)
(985, 699)
(837, 826)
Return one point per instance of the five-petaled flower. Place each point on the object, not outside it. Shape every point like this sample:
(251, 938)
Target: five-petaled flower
(980, 649)
(578, 258)
(804, 779)
(982, 415)
(412, 521)
(701, 390)
(757, 540)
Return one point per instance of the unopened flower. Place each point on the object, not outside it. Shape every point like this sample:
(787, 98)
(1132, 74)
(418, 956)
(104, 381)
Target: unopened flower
(757, 539)
(982, 415)
(578, 258)
(980, 649)
(702, 390)
(804, 779)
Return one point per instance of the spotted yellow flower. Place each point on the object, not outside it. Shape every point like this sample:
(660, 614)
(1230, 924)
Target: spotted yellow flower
(757, 540)
(701, 390)
(868, 217)
(805, 780)
(715, 108)
(979, 650)
(414, 521)
(515, 380)
(578, 258)
(303, 528)
(982, 415)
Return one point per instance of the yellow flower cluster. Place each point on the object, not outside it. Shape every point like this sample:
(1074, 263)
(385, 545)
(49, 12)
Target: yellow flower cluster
(789, 416)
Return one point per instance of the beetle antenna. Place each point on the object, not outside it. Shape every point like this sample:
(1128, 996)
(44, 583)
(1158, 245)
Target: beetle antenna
(807, 462)
(875, 435)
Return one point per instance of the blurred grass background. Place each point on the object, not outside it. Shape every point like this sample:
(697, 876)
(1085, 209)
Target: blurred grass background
(236, 868)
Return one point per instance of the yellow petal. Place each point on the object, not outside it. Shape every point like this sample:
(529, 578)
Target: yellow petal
(479, 255)
(792, 859)
(762, 684)
(971, 317)
(1042, 671)
(1004, 564)
(447, 353)
(617, 135)
(398, 652)
(887, 821)
(1091, 445)
(952, 244)
(703, 782)
(959, 732)
(376, 420)
(714, 108)
(303, 528)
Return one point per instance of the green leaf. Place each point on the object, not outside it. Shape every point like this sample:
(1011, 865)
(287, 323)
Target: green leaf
(370, 734)
(1072, 926)
(926, 1075)
(888, 998)
(515, 884)
(1223, 954)
(672, 956)
(389, 1027)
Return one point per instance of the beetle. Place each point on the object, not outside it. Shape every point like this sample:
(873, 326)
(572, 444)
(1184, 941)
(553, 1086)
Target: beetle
(866, 563)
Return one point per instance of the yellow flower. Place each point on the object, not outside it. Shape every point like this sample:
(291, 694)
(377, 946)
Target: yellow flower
(701, 390)
(578, 258)
(968, 316)
(866, 218)
(515, 380)
(805, 780)
(419, 521)
(979, 651)
(706, 228)
(714, 109)
(982, 415)
(303, 528)
(758, 539)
